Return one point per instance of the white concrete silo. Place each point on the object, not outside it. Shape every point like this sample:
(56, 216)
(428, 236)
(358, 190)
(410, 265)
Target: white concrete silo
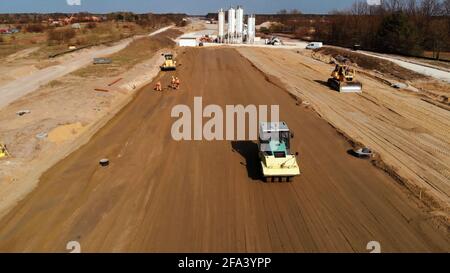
(221, 26)
(251, 29)
(239, 23)
(231, 25)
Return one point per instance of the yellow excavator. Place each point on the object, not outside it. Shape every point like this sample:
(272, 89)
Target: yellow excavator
(169, 63)
(343, 79)
(3, 151)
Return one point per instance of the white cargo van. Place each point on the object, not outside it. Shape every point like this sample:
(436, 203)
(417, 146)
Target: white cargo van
(314, 45)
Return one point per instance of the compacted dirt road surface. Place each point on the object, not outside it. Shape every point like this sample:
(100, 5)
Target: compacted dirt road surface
(198, 196)
(408, 132)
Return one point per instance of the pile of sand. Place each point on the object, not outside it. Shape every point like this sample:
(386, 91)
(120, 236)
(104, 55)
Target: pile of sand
(65, 132)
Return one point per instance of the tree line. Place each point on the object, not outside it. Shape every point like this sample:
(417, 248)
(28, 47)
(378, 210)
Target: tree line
(407, 27)
(35, 22)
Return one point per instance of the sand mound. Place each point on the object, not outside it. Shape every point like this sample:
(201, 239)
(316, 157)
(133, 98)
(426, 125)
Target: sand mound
(65, 132)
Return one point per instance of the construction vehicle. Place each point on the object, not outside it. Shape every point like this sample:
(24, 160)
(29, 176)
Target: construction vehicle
(343, 79)
(314, 45)
(275, 41)
(3, 151)
(169, 63)
(364, 152)
(277, 162)
(206, 39)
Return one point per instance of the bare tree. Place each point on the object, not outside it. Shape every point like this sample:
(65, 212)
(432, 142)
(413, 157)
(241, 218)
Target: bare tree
(360, 8)
(446, 7)
(438, 34)
(400, 26)
(393, 5)
(411, 7)
(430, 8)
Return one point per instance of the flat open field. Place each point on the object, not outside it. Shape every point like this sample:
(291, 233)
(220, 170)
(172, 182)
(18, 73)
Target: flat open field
(167, 196)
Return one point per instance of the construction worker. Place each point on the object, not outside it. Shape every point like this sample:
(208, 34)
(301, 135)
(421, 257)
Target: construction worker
(173, 85)
(158, 86)
(177, 83)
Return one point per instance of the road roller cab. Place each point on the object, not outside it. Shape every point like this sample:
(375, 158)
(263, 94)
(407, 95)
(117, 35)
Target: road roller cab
(277, 161)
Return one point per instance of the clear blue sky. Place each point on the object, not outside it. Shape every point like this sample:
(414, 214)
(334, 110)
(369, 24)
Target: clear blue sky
(162, 6)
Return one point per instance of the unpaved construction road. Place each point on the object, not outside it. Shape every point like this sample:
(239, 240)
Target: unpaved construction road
(167, 196)
(410, 134)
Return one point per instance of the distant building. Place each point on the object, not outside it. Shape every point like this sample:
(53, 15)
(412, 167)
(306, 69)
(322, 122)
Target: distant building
(188, 41)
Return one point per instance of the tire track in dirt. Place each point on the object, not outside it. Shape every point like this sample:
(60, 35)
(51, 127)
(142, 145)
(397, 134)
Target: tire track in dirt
(418, 148)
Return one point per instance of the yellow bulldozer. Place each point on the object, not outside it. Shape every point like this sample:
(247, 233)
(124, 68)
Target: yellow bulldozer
(343, 79)
(169, 63)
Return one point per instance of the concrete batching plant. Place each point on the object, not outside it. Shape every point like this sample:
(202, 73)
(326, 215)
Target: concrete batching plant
(237, 32)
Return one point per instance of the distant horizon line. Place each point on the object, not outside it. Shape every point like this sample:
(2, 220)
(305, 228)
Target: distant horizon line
(192, 15)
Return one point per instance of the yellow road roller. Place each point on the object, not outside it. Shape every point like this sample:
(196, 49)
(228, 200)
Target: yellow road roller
(169, 63)
(277, 161)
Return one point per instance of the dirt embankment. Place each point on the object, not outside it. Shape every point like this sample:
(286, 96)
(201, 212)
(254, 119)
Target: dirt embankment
(384, 67)
(67, 111)
(133, 54)
(427, 88)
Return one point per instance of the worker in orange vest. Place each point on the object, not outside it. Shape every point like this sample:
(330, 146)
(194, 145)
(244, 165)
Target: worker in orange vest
(158, 86)
(177, 83)
(173, 83)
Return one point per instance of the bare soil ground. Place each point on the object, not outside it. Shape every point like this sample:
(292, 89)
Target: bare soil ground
(427, 88)
(409, 133)
(25, 53)
(372, 63)
(13, 44)
(125, 59)
(31, 81)
(197, 196)
(68, 111)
